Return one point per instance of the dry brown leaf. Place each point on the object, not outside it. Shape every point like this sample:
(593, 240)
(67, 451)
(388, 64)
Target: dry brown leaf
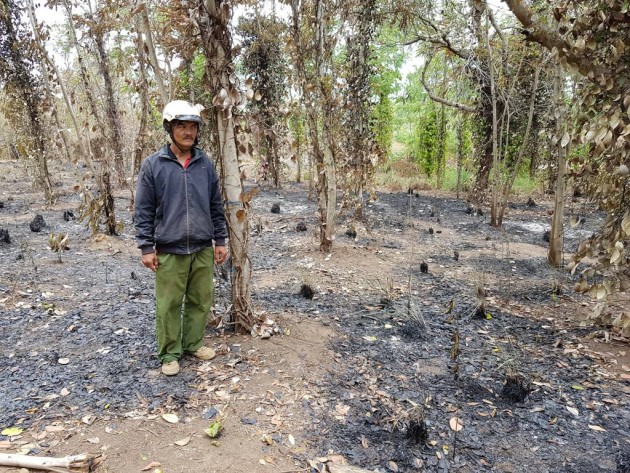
(337, 459)
(54, 428)
(456, 424)
(151, 465)
(596, 428)
(170, 418)
(6, 445)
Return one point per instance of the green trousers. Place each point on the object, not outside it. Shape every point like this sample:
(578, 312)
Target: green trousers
(184, 292)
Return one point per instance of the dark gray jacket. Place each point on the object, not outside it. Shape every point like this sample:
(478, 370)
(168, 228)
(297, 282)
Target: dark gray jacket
(178, 210)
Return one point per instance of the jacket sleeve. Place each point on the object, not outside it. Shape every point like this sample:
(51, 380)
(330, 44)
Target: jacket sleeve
(145, 208)
(216, 209)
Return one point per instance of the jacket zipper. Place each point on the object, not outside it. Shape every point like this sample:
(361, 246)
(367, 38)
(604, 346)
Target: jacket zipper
(187, 214)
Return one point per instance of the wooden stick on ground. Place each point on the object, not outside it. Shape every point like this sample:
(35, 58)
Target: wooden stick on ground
(72, 463)
(334, 468)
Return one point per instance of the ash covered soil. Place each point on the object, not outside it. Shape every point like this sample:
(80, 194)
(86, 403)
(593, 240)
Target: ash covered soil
(388, 365)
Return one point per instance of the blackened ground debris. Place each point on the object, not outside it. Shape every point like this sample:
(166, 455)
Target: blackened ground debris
(306, 291)
(417, 431)
(386, 358)
(275, 208)
(516, 388)
(37, 224)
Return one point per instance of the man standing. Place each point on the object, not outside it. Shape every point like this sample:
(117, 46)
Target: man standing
(178, 216)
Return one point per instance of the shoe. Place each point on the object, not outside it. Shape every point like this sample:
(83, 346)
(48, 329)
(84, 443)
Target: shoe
(205, 353)
(170, 368)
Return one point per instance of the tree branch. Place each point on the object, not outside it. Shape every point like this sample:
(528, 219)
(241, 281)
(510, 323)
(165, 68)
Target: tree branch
(550, 39)
(435, 98)
(442, 41)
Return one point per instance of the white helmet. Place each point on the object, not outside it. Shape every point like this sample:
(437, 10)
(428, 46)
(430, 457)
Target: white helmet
(183, 111)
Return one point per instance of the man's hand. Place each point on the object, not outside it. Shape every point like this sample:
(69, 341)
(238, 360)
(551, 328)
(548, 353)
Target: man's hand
(150, 260)
(220, 254)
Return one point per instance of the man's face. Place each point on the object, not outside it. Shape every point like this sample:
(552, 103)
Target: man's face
(185, 133)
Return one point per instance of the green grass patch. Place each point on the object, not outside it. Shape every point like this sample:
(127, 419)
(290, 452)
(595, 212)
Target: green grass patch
(524, 184)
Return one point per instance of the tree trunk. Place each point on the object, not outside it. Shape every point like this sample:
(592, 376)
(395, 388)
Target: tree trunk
(157, 71)
(320, 136)
(358, 170)
(84, 76)
(495, 150)
(325, 159)
(441, 150)
(556, 240)
(298, 156)
(485, 106)
(113, 120)
(214, 23)
(90, 209)
(460, 155)
(273, 159)
(43, 176)
(141, 137)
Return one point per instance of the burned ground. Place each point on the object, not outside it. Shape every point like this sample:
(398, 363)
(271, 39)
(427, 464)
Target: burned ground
(411, 351)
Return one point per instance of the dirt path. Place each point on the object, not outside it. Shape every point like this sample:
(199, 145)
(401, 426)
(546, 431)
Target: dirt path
(373, 368)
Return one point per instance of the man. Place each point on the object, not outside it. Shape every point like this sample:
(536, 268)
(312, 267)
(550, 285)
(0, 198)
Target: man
(178, 216)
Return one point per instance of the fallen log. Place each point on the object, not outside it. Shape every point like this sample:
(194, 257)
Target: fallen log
(72, 463)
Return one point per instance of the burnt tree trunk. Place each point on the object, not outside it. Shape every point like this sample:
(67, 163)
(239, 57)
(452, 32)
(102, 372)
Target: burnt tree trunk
(554, 255)
(111, 109)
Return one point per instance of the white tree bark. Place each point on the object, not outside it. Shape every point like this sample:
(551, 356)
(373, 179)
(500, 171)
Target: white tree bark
(155, 65)
(218, 46)
(45, 463)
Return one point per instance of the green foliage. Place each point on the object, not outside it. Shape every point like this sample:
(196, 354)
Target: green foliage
(383, 126)
(215, 429)
(426, 143)
(525, 184)
(386, 61)
(408, 107)
(467, 138)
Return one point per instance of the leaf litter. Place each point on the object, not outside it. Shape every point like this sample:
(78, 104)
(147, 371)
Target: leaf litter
(396, 388)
